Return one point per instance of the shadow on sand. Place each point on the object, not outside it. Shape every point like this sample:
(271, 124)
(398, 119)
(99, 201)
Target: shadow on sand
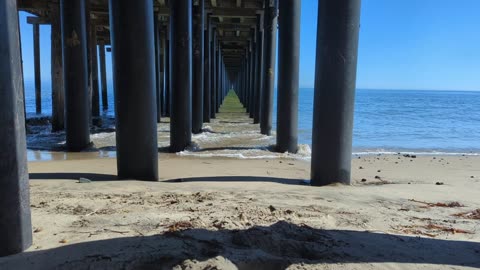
(110, 177)
(73, 176)
(271, 247)
(250, 179)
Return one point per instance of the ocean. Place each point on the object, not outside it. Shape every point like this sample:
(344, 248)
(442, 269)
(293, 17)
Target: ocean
(386, 121)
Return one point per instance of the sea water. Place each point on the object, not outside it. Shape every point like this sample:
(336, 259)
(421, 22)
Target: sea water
(385, 120)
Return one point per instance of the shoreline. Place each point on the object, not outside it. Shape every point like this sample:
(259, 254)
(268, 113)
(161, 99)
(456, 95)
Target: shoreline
(263, 153)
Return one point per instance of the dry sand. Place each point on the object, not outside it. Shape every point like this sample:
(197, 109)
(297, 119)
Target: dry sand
(212, 213)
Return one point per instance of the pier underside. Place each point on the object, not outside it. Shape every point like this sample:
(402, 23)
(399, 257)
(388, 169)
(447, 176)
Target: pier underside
(188, 64)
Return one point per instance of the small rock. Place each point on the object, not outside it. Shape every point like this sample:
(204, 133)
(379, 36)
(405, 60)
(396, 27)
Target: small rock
(37, 230)
(84, 180)
(413, 156)
(63, 241)
(439, 183)
(272, 208)
(378, 177)
(379, 170)
(291, 164)
(361, 168)
(472, 176)
(364, 180)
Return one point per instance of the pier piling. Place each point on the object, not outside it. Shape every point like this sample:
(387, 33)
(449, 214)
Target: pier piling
(335, 76)
(270, 32)
(77, 99)
(36, 57)
(103, 77)
(181, 68)
(133, 56)
(288, 72)
(207, 73)
(198, 64)
(15, 217)
(58, 88)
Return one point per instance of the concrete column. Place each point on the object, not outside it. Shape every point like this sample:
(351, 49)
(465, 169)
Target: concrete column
(335, 76)
(103, 77)
(245, 79)
(77, 100)
(288, 72)
(95, 88)
(206, 82)
(168, 68)
(217, 75)
(36, 57)
(162, 70)
(15, 220)
(220, 83)
(58, 90)
(270, 32)
(251, 83)
(259, 68)
(181, 88)
(156, 34)
(198, 63)
(89, 57)
(133, 54)
(248, 76)
(213, 87)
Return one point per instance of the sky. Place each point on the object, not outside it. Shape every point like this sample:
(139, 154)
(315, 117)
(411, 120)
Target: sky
(404, 44)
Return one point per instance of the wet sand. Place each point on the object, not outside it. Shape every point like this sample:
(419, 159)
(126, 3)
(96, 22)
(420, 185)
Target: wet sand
(219, 212)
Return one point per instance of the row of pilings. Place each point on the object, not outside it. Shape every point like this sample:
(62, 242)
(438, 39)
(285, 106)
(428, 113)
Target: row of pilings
(189, 81)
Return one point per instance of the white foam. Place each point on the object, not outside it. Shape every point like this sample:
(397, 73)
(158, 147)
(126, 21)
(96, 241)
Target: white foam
(225, 155)
(422, 153)
(102, 135)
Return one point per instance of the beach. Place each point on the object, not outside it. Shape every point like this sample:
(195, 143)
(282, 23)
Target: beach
(221, 213)
(231, 202)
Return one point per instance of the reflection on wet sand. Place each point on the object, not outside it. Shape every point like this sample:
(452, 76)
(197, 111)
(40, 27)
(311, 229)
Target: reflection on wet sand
(41, 155)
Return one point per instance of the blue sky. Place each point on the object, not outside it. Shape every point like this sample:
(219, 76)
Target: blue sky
(404, 44)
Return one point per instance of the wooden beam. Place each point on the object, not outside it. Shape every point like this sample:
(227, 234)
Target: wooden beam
(38, 20)
(234, 25)
(32, 4)
(234, 12)
(223, 38)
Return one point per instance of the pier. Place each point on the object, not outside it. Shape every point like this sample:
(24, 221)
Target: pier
(175, 59)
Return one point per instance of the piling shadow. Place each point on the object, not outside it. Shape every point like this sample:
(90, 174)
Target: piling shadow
(73, 176)
(277, 246)
(250, 179)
